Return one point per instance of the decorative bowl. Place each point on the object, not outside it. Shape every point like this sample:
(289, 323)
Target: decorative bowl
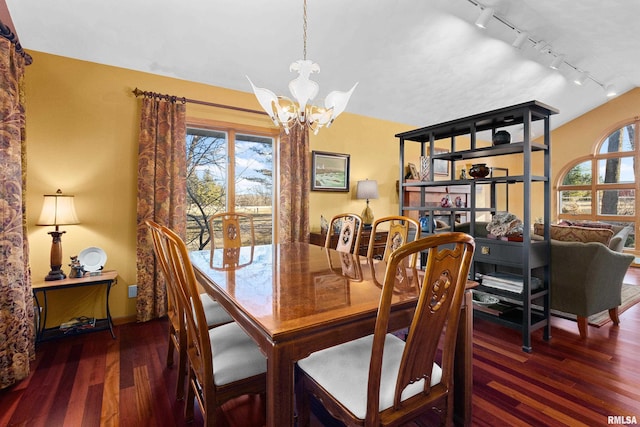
(484, 299)
(479, 170)
(501, 137)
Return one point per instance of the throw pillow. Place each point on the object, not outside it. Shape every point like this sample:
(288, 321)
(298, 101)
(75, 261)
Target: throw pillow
(572, 233)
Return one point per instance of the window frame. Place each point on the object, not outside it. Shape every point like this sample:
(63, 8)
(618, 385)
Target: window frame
(595, 187)
(232, 129)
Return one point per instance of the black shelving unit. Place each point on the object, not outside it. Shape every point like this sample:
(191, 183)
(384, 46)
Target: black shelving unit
(526, 258)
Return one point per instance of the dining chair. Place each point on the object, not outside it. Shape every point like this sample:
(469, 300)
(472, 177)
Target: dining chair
(401, 229)
(215, 314)
(223, 362)
(350, 226)
(231, 230)
(381, 379)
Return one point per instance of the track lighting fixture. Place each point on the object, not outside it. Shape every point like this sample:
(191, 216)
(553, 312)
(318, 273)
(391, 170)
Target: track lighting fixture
(611, 90)
(485, 16)
(519, 41)
(581, 78)
(557, 62)
(541, 46)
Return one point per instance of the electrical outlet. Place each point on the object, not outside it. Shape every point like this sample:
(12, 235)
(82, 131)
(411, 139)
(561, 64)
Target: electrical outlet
(133, 291)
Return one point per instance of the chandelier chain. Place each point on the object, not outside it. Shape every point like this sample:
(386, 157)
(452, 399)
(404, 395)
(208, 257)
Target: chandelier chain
(304, 31)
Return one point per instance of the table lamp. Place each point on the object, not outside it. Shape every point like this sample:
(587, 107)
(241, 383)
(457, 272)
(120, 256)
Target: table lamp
(367, 190)
(58, 209)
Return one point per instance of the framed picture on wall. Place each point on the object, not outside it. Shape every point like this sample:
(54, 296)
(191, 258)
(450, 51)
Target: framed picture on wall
(329, 171)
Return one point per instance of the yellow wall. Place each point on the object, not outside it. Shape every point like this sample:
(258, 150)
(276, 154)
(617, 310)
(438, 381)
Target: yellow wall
(374, 154)
(82, 130)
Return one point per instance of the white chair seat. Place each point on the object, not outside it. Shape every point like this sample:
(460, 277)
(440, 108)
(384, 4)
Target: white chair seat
(235, 355)
(343, 371)
(214, 312)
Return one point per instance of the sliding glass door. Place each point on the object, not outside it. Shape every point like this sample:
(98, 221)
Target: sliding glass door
(228, 170)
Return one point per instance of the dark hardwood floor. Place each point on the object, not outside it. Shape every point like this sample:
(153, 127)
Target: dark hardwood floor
(92, 380)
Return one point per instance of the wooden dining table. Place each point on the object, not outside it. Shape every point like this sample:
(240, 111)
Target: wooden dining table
(296, 298)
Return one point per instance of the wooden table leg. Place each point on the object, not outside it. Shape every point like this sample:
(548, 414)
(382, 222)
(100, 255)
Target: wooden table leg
(463, 364)
(280, 388)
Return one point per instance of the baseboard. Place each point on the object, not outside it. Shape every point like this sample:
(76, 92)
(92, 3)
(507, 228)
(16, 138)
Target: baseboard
(124, 320)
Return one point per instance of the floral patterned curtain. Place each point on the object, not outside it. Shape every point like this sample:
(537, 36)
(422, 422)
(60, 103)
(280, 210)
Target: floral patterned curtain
(161, 194)
(17, 330)
(294, 185)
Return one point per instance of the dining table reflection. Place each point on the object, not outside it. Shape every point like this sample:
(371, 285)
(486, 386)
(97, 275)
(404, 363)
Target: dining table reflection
(297, 298)
(312, 281)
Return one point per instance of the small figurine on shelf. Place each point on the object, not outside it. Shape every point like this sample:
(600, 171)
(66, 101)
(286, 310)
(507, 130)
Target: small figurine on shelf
(445, 202)
(77, 270)
(463, 174)
(324, 225)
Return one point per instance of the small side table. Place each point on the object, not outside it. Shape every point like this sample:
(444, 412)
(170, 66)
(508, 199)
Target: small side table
(107, 278)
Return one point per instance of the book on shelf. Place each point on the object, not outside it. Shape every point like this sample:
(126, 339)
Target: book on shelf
(78, 323)
(509, 282)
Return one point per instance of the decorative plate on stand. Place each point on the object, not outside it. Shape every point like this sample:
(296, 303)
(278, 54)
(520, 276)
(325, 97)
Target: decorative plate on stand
(92, 259)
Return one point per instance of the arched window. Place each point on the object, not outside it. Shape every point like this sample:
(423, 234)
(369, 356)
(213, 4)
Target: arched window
(603, 187)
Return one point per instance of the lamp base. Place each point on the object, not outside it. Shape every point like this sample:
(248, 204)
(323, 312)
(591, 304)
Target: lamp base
(367, 215)
(55, 274)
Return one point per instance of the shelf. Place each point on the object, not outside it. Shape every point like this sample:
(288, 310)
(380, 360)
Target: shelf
(501, 117)
(54, 333)
(511, 179)
(511, 296)
(514, 319)
(492, 151)
(519, 257)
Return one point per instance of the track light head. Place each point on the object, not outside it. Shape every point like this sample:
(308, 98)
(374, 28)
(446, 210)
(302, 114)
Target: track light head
(581, 78)
(557, 62)
(610, 90)
(520, 39)
(485, 16)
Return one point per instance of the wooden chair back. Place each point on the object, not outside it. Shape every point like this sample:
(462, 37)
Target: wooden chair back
(177, 337)
(442, 288)
(198, 347)
(399, 234)
(409, 365)
(350, 231)
(201, 379)
(228, 230)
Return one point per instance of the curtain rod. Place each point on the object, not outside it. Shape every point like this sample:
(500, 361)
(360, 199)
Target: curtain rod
(172, 98)
(6, 32)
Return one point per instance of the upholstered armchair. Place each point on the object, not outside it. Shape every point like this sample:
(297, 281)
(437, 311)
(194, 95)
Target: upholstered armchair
(586, 278)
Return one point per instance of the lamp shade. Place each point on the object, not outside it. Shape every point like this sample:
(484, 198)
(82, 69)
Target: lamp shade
(58, 209)
(367, 189)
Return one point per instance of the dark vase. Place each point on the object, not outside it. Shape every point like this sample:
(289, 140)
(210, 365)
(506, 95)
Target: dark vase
(501, 137)
(479, 171)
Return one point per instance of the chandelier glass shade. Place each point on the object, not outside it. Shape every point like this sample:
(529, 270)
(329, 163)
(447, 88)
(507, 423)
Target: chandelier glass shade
(300, 110)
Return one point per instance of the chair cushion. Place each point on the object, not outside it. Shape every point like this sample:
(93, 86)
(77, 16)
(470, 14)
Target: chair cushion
(213, 311)
(235, 355)
(343, 371)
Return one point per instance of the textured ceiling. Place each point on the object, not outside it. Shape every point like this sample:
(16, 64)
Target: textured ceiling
(418, 62)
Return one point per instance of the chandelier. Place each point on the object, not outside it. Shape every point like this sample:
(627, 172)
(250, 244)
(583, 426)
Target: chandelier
(287, 113)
